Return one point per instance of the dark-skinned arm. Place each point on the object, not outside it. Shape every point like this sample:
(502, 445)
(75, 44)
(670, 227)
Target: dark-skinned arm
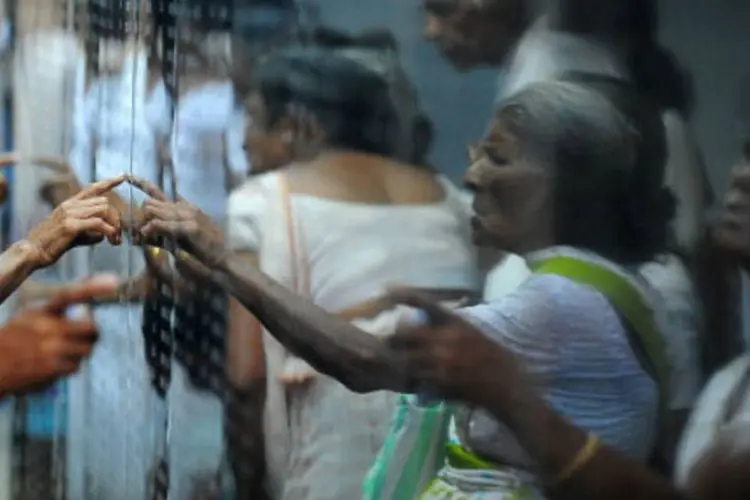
(554, 442)
(330, 344)
(246, 397)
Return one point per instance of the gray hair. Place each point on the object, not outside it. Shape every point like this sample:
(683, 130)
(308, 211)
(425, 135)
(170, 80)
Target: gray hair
(557, 122)
(606, 149)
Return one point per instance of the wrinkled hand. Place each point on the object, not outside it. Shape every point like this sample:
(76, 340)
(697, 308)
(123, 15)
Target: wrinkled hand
(84, 219)
(451, 356)
(59, 187)
(181, 224)
(41, 345)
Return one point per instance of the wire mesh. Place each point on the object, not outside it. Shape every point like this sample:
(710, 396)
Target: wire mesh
(152, 393)
(151, 416)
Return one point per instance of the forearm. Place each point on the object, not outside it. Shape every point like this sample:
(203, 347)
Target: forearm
(244, 437)
(330, 344)
(16, 264)
(553, 442)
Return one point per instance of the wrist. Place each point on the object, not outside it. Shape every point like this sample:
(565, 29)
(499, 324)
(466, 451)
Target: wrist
(26, 255)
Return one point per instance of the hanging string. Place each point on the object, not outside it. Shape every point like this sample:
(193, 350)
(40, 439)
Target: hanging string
(159, 305)
(61, 432)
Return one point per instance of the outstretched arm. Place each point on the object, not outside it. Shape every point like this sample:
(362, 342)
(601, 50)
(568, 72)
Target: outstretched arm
(555, 443)
(459, 361)
(331, 345)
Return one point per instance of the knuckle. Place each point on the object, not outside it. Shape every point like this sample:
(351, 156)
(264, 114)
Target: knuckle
(68, 224)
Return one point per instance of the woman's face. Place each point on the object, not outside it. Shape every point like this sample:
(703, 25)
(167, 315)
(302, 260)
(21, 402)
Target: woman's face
(512, 198)
(469, 34)
(267, 149)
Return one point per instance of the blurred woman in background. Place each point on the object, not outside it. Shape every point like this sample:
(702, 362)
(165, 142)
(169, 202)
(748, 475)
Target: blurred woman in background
(323, 226)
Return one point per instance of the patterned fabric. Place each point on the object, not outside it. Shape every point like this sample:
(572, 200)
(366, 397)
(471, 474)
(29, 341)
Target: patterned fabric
(510, 484)
(200, 324)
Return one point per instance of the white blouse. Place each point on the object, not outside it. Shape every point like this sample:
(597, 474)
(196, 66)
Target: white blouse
(352, 253)
(208, 124)
(110, 123)
(706, 423)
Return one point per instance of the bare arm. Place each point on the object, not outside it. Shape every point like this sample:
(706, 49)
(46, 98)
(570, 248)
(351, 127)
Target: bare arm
(246, 396)
(554, 442)
(16, 264)
(246, 362)
(331, 345)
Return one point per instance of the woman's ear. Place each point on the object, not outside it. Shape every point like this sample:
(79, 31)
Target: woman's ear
(302, 132)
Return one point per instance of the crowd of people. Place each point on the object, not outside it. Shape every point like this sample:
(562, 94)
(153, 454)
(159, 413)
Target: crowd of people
(569, 332)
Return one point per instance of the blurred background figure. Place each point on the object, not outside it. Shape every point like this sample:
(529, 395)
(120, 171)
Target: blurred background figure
(327, 111)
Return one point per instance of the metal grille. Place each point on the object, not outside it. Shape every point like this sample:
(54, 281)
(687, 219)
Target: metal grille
(182, 341)
(153, 393)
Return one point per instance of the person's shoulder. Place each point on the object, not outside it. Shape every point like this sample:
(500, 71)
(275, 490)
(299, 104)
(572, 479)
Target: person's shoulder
(257, 185)
(548, 297)
(252, 195)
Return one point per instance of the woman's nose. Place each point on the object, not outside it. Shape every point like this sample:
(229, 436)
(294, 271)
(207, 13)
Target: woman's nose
(472, 176)
(432, 28)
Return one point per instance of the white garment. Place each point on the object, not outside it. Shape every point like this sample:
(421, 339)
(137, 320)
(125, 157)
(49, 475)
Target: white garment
(706, 422)
(111, 116)
(667, 276)
(122, 426)
(543, 54)
(354, 252)
(573, 342)
(208, 124)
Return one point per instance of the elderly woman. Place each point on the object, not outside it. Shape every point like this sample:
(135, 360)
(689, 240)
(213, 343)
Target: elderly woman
(559, 160)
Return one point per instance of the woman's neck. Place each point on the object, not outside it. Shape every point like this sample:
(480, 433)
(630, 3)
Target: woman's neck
(344, 158)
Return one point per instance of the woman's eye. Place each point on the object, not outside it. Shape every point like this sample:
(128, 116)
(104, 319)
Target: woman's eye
(495, 158)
